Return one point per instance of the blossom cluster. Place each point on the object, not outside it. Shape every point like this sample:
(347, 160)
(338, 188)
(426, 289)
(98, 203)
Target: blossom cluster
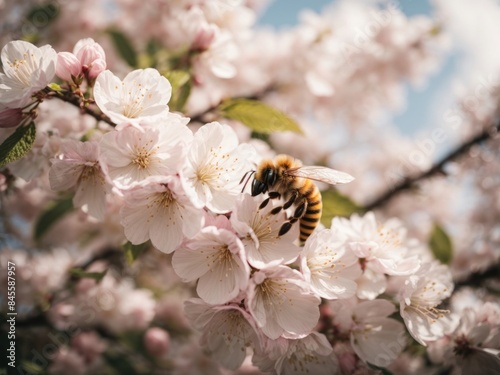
(154, 241)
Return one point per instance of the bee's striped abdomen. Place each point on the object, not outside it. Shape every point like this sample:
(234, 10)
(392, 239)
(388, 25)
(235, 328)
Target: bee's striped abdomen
(311, 217)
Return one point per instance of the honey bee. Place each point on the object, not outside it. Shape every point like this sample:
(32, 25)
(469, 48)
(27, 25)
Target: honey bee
(285, 176)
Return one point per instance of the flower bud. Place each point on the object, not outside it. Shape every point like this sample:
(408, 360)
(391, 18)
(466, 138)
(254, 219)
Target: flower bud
(10, 117)
(96, 68)
(157, 342)
(89, 53)
(68, 66)
(204, 37)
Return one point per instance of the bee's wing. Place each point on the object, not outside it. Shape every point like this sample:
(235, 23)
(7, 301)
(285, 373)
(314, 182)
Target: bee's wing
(324, 174)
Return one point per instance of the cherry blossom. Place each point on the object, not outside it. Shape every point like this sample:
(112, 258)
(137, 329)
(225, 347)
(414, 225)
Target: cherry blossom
(376, 338)
(216, 258)
(142, 96)
(381, 248)
(158, 210)
(259, 230)
(312, 354)
(226, 331)
(328, 266)
(216, 163)
(79, 166)
(419, 298)
(132, 155)
(27, 69)
(88, 57)
(281, 303)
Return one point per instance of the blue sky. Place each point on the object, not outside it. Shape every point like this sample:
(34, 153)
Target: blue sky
(420, 101)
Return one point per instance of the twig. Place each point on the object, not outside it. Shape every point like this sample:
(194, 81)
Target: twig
(437, 168)
(75, 100)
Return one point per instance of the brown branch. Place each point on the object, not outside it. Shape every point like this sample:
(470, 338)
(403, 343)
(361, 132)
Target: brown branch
(73, 99)
(409, 181)
(479, 278)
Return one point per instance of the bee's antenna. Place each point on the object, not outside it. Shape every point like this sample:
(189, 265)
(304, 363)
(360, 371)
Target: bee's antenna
(249, 173)
(243, 178)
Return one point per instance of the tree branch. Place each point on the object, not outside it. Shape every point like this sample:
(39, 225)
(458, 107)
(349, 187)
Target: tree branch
(69, 97)
(409, 181)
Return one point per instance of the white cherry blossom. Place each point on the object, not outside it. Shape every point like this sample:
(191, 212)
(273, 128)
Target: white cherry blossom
(376, 338)
(259, 229)
(216, 258)
(328, 266)
(281, 303)
(226, 331)
(419, 298)
(132, 155)
(27, 69)
(381, 245)
(158, 209)
(141, 97)
(216, 163)
(382, 250)
(312, 354)
(78, 166)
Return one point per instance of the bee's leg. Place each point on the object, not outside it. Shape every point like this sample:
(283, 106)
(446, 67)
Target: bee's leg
(287, 204)
(290, 201)
(271, 195)
(299, 212)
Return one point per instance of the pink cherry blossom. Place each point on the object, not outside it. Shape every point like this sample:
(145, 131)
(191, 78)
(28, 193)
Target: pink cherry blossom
(79, 166)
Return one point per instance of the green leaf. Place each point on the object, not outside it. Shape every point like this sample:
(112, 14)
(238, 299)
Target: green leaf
(336, 204)
(181, 88)
(258, 116)
(440, 244)
(132, 251)
(81, 274)
(17, 144)
(124, 47)
(51, 215)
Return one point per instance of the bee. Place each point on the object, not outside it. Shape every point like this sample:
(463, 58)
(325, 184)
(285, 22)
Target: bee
(285, 176)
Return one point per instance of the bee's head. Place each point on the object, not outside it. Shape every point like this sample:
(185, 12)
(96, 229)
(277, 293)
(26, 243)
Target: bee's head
(264, 180)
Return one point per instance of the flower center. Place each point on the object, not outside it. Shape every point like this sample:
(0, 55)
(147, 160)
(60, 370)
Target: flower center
(91, 172)
(135, 96)
(166, 198)
(142, 158)
(22, 69)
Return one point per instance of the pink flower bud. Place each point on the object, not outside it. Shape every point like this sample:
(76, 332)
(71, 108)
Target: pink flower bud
(89, 52)
(204, 37)
(10, 117)
(96, 68)
(68, 66)
(157, 342)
